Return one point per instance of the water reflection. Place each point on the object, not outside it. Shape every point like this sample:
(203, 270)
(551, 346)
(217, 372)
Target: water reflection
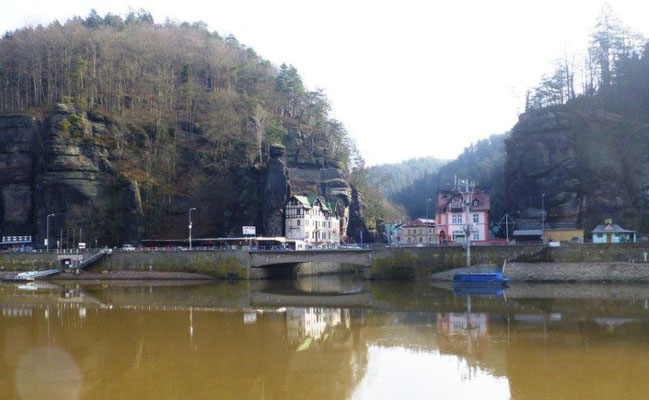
(322, 340)
(314, 323)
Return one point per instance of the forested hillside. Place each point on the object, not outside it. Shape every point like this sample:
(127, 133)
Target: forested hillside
(482, 162)
(181, 114)
(584, 140)
(394, 177)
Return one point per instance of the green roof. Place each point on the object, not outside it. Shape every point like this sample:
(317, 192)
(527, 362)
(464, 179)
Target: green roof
(309, 201)
(306, 201)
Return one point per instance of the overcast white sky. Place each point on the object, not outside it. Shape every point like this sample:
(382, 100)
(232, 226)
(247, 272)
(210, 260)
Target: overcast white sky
(408, 78)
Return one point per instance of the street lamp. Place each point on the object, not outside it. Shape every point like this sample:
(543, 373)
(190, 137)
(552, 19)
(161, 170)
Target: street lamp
(47, 241)
(543, 217)
(190, 226)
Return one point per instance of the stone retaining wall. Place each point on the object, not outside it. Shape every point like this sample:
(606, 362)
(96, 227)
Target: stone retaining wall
(420, 262)
(219, 264)
(590, 252)
(27, 261)
(578, 272)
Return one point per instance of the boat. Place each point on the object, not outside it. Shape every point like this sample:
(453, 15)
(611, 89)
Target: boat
(480, 278)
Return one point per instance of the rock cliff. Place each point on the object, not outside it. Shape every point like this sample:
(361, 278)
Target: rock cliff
(275, 193)
(91, 172)
(54, 166)
(589, 163)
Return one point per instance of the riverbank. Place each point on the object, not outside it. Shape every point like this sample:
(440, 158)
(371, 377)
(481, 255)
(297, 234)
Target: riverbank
(566, 272)
(122, 276)
(568, 263)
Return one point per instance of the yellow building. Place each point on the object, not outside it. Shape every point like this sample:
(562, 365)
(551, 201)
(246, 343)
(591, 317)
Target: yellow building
(421, 231)
(564, 235)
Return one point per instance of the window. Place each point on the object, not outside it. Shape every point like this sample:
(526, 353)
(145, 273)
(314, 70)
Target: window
(457, 218)
(476, 235)
(420, 239)
(476, 218)
(299, 222)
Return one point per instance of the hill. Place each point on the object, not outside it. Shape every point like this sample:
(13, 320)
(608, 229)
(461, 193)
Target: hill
(586, 148)
(394, 177)
(120, 125)
(483, 162)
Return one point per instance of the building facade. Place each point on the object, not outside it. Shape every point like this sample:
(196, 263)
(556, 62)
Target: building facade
(420, 231)
(313, 220)
(608, 232)
(564, 235)
(459, 207)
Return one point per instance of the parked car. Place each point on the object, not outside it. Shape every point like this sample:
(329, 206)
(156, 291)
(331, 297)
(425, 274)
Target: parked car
(128, 247)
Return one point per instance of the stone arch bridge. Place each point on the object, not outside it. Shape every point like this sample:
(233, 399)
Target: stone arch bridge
(262, 259)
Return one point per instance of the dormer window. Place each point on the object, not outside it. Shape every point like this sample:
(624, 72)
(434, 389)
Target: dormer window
(475, 203)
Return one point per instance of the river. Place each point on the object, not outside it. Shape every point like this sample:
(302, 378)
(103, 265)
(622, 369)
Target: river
(322, 338)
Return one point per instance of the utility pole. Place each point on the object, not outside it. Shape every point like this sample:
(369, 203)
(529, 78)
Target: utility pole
(190, 226)
(47, 223)
(507, 222)
(467, 204)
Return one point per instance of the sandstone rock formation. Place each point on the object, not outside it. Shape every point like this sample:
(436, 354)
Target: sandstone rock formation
(314, 171)
(70, 162)
(590, 164)
(357, 229)
(276, 192)
(55, 167)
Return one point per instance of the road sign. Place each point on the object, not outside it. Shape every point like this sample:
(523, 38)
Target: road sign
(249, 230)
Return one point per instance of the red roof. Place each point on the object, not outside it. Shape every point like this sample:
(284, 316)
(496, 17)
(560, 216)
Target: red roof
(480, 202)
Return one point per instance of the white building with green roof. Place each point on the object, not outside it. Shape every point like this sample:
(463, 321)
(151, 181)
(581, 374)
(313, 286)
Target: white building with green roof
(313, 220)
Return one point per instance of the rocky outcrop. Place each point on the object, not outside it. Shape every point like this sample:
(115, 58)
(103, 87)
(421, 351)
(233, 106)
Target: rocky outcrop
(18, 153)
(56, 167)
(313, 170)
(275, 193)
(590, 164)
(98, 176)
(357, 230)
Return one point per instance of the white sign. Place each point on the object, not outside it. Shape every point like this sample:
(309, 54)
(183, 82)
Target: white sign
(249, 230)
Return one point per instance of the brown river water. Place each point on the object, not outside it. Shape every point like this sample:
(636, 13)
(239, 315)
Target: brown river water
(322, 338)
